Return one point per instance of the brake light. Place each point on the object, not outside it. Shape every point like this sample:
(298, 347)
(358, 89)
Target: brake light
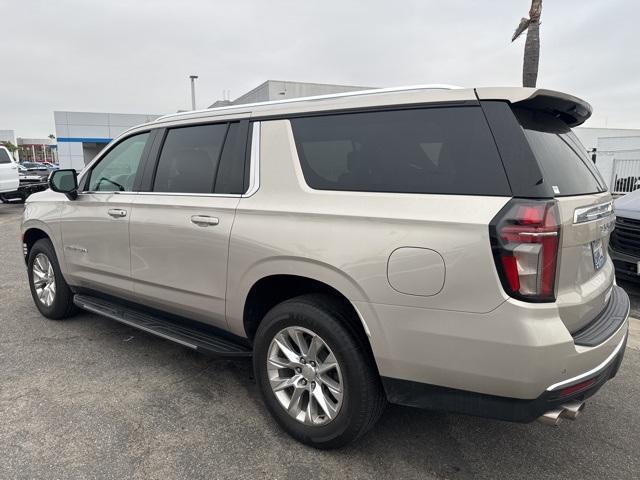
(525, 236)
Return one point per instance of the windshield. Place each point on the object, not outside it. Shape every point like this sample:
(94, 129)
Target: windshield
(563, 159)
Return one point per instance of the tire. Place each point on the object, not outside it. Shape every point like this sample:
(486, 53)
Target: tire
(358, 402)
(60, 304)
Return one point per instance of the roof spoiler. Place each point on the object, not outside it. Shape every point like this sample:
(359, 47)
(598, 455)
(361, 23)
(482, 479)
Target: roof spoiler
(571, 110)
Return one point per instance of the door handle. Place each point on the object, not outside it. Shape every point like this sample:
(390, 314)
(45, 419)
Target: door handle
(204, 220)
(117, 212)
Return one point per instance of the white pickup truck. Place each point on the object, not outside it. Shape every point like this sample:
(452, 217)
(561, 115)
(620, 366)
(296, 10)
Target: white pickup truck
(9, 179)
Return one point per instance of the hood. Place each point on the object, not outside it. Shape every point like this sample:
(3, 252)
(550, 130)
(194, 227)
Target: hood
(628, 206)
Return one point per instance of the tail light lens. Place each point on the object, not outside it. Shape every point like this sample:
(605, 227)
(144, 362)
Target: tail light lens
(525, 236)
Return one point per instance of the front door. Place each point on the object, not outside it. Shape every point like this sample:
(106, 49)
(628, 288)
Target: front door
(95, 226)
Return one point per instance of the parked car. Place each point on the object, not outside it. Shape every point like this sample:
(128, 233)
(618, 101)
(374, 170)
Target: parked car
(36, 168)
(439, 248)
(8, 173)
(625, 240)
(27, 176)
(51, 166)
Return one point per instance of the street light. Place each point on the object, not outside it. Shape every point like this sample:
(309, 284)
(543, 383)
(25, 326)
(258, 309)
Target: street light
(193, 91)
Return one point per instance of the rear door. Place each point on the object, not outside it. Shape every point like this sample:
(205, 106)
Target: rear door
(180, 226)
(8, 172)
(585, 272)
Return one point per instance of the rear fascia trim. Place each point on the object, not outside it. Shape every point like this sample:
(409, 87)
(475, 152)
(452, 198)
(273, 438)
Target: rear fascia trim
(594, 371)
(593, 212)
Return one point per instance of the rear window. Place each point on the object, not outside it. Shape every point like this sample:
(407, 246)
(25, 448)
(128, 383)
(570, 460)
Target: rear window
(563, 160)
(445, 150)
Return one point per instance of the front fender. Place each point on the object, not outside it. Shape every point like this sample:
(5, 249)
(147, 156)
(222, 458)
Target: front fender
(45, 216)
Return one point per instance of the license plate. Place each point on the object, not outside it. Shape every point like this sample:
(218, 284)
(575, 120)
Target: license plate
(598, 254)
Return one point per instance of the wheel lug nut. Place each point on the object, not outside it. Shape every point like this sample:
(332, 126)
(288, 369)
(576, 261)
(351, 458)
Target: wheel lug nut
(303, 361)
(298, 370)
(313, 364)
(313, 384)
(304, 382)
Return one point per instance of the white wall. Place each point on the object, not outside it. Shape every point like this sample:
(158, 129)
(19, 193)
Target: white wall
(589, 136)
(74, 127)
(621, 148)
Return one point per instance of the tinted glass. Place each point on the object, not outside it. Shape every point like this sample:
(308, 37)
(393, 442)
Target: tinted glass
(4, 156)
(189, 159)
(562, 158)
(230, 177)
(117, 170)
(435, 150)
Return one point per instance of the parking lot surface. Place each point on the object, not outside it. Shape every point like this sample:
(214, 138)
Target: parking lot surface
(90, 398)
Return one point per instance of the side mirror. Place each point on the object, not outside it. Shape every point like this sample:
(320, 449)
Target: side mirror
(64, 181)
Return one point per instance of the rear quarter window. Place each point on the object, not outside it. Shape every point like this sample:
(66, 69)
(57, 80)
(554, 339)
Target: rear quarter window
(563, 160)
(443, 150)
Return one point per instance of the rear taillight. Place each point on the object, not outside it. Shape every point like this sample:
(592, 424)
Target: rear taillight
(524, 238)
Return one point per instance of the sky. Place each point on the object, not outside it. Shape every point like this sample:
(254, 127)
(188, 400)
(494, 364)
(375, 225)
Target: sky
(136, 56)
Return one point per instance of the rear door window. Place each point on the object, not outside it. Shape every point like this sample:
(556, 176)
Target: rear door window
(190, 158)
(563, 160)
(444, 150)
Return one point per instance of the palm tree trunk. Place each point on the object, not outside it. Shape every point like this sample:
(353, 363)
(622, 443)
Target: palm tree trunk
(531, 55)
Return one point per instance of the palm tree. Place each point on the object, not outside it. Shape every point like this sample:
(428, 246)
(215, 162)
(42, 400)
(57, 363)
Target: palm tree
(531, 45)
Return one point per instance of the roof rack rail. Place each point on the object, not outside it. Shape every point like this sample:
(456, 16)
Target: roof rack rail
(435, 86)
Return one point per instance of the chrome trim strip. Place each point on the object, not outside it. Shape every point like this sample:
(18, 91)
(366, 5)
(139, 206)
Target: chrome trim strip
(538, 234)
(593, 371)
(593, 212)
(176, 194)
(172, 194)
(254, 161)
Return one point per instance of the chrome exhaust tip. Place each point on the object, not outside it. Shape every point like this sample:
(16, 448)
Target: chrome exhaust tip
(572, 410)
(552, 417)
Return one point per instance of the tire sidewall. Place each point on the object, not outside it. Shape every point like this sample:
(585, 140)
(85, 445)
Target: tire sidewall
(58, 306)
(348, 357)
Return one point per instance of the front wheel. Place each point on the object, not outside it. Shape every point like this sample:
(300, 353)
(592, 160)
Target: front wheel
(49, 290)
(315, 372)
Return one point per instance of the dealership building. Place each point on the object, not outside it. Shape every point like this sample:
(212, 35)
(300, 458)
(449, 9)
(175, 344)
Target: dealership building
(81, 135)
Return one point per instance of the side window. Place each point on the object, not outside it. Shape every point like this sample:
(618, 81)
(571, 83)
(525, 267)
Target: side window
(4, 156)
(189, 159)
(117, 170)
(446, 150)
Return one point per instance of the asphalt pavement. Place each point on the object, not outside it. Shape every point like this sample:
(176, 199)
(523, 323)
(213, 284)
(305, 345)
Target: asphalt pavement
(90, 398)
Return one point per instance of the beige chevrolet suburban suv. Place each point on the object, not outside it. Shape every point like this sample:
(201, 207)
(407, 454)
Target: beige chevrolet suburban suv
(442, 248)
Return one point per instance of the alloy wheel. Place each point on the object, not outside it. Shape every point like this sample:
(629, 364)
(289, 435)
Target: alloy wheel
(44, 280)
(305, 376)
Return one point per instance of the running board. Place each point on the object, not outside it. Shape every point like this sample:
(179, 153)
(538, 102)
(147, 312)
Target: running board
(199, 339)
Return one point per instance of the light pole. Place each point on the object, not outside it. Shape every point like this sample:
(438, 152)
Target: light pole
(193, 91)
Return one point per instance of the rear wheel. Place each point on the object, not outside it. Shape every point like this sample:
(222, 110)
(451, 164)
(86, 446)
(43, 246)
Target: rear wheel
(315, 372)
(49, 290)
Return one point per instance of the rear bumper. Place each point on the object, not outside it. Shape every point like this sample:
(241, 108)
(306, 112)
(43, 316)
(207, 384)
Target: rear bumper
(434, 397)
(513, 357)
